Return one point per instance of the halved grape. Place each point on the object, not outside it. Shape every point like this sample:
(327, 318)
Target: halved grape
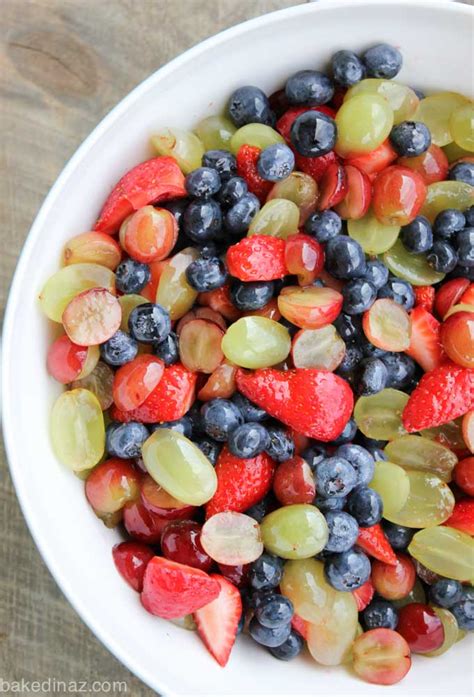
(68, 282)
(179, 466)
(447, 194)
(77, 429)
(402, 99)
(318, 348)
(381, 656)
(93, 248)
(298, 531)
(446, 551)
(278, 218)
(373, 237)
(387, 325)
(184, 146)
(232, 538)
(363, 123)
(429, 503)
(256, 134)
(330, 639)
(174, 292)
(379, 416)
(215, 132)
(412, 267)
(301, 189)
(100, 383)
(451, 631)
(449, 434)
(416, 452)
(129, 303)
(256, 342)
(200, 346)
(92, 317)
(392, 484)
(435, 111)
(309, 307)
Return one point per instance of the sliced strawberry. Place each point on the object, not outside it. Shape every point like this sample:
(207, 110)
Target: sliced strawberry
(364, 595)
(247, 159)
(356, 202)
(257, 258)
(173, 590)
(315, 166)
(374, 542)
(218, 621)
(425, 345)
(462, 518)
(442, 395)
(286, 121)
(300, 625)
(450, 294)
(467, 298)
(424, 297)
(375, 161)
(155, 180)
(333, 187)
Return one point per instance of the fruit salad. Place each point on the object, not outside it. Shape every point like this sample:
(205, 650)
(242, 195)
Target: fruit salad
(268, 361)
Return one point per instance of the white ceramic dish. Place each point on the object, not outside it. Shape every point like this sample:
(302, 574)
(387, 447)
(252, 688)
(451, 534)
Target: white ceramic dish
(436, 43)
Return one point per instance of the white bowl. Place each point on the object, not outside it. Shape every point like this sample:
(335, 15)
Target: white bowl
(436, 44)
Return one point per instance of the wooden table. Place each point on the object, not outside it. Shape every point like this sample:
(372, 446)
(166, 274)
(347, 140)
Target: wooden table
(63, 65)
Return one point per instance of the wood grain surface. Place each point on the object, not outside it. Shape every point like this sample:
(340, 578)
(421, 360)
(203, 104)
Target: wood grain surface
(63, 65)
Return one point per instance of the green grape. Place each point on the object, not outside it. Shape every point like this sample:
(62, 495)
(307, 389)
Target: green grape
(402, 99)
(278, 218)
(447, 194)
(451, 631)
(416, 595)
(330, 639)
(462, 126)
(435, 111)
(77, 429)
(184, 146)
(100, 382)
(129, 303)
(174, 292)
(379, 416)
(416, 452)
(179, 467)
(411, 267)
(449, 434)
(391, 482)
(294, 532)
(215, 132)
(363, 123)
(301, 189)
(453, 152)
(373, 237)
(65, 284)
(256, 342)
(232, 538)
(256, 134)
(429, 503)
(446, 551)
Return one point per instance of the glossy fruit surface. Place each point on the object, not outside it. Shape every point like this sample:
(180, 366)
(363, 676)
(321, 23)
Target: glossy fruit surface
(463, 475)
(402, 99)
(256, 342)
(77, 429)
(184, 146)
(200, 346)
(111, 485)
(215, 132)
(460, 125)
(297, 531)
(379, 416)
(363, 123)
(310, 307)
(93, 248)
(435, 111)
(446, 194)
(135, 381)
(387, 325)
(445, 551)
(394, 581)
(432, 165)
(294, 482)
(160, 503)
(131, 559)
(258, 135)
(391, 483)
(330, 638)
(413, 268)
(300, 188)
(92, 317)
(232, 538)
(419, 453)
(373, 236)
(143, 525)
(304, 256)
(149, 234)
(174, 292)
(430, 502)
(318, 348)
(451, 631)
(100, 383)
(421, 627)
(279, 217)
(220, 384)
(381, 656)
(398, 195)
(457, 338)
(67, 361)
(180, 542)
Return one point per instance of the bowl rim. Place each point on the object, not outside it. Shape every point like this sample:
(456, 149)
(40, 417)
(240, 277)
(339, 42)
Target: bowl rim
(12, 456)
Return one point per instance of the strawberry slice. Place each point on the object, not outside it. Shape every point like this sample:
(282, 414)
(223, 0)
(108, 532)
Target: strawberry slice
(425, 344)
(450, 294)
(313, 402)
(364, 595)
(155, 180)
(217, 622)
(424, 297)
(170, 400)
(374, 542)
(442, 395)
(241, 482)
(257, 258)
(247, 159)
(462, 518)
(173, 590)
(315, 166)
(300, 625)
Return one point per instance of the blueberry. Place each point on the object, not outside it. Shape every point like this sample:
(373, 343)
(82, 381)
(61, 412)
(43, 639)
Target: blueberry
(208, 250)
(248, 440)
(281, 445)
(232, 191)
(469, 216)
(345, 257)
(332, 504)
(343, 531)
(176, 206)
(241, 214)
(347, 68)
(335, 476)
(249, 410)
(360, 459)
(219, 418)
(149, 323)
(202, 182)
(365, 505)
(309, 88)
(462, 172)
(184, 425)
(399, 536)
(377, 273)
(349, 327)
(131, 276)
(323, 226)
(380, 613)
(410, 138)
(202, 220)
(250, 105)
(442, 257)
(126, 440)
(464, 614)
(369, 350)
(313, 455)
(290, 648)
(168, 349)
(206, 274)
(463, 271)
(448, 222)
(417, 236)
(313, 133)
(351, 360)
(399, 290)
(465, 246)
(276, 162)
(348, 433)
(121, 348)
(266, 572)
(446, 592)
(222, 161)
(383, 61)
(373, 376)
(275, 611)
(259, 510)
(359, 295)
(266, 636)
(401, 370)
(251, 296)
(210, 448)
(348, 570)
